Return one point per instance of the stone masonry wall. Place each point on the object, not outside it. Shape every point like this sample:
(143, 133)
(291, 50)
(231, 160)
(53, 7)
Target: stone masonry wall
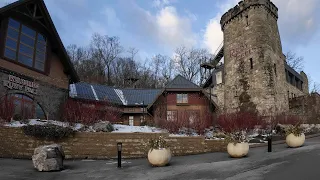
(14, 144)
(254, 63)
(49, 97)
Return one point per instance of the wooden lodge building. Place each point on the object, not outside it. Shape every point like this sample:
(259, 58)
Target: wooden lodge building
(179, 98)
(35, 70)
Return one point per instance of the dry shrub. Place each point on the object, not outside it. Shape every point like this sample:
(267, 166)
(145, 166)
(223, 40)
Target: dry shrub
(88, 112)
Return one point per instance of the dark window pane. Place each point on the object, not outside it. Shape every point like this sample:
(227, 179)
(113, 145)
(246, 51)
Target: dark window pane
(41, 38)
(26, 50)
(28, 31)
(27, 40)
(25, 60)
(14, 24)
(40, 56)
(13, 33)
(39, 65)
(10, 54)
(11, 43)
(41, 47)
(39, 112)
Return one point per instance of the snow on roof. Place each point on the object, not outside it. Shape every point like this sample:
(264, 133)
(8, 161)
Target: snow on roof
(121, 96)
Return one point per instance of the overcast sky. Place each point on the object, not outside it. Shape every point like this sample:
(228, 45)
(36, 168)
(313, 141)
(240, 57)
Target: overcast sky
(159, 26)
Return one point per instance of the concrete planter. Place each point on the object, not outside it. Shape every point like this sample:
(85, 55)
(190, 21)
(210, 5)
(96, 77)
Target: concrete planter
(238, 150)
(295, 141)
(159, 157)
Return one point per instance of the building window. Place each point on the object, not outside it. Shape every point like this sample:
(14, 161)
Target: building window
(171, 115)
(131, 121)
(182, 98)
(24, 107)
(25, 45)
(142, 119)
(251, 63)
(143, 109)
(194, 117)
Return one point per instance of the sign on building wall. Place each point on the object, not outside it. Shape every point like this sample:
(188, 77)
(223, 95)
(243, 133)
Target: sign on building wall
(17, 83)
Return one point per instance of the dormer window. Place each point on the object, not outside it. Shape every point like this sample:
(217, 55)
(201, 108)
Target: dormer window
(25, 46)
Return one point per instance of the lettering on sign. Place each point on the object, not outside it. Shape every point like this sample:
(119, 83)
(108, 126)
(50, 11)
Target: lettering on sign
(20, 84)
(242, 51)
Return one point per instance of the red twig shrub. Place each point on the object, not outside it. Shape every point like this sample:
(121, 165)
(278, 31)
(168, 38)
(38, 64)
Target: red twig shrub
(238, 124)
(87, 112)
(240, 121)
(6, 109)
(190, 120)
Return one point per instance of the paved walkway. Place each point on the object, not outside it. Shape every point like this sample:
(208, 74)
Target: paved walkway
(282, 163)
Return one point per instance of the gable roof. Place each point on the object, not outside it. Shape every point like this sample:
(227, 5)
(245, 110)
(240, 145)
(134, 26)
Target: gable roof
(179, 82)
(67, 64)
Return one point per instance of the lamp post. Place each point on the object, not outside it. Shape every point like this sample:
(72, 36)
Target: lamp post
(119, 147)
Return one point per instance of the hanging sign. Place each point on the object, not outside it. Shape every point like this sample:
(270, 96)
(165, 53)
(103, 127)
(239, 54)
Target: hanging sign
(17, 83)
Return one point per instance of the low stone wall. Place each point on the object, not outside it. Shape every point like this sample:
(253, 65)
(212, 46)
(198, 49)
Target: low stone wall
(15, 144)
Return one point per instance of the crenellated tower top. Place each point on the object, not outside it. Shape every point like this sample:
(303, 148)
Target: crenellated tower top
(245, 5)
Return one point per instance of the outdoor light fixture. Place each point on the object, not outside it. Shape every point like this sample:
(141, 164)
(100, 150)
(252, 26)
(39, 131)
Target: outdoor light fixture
(269, 143)
(119, 147)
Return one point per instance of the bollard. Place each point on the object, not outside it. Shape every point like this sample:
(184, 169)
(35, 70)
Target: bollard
(119, 146)
(270, 143)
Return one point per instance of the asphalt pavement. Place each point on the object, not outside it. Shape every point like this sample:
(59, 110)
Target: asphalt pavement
(283, 163)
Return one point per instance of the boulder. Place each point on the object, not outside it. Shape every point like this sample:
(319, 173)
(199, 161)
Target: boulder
(48, 158)
(102, 126)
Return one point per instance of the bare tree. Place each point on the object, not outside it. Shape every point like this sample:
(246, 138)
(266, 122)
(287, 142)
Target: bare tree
(294, 61)
(188, 62)
(106, 49)
(89, 69)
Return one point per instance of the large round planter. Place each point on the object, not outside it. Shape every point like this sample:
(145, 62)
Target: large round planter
(238, 150)
(159, 157)
(295, 141)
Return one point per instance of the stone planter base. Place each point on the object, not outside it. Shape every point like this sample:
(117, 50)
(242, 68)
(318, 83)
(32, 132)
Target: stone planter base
(159, 157)
(238, 150)
(295, 141)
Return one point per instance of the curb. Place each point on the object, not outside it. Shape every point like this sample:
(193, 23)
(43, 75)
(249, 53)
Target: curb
(281, 141)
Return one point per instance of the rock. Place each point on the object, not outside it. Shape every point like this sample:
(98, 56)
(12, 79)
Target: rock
(104, 126)
(48, 158)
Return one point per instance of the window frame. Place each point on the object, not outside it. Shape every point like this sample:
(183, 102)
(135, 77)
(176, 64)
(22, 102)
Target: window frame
(131, 120)
(3, 39)
(172, 115)
(183, 96)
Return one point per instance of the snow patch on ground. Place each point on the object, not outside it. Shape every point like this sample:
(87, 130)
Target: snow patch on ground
(76, 126)
(131, 129)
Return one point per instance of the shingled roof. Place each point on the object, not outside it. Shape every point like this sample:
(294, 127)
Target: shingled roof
(179, 82)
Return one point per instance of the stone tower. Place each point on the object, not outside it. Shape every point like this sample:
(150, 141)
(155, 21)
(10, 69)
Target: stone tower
(253, 58)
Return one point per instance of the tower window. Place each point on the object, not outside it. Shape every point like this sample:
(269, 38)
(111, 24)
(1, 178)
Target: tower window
(251, 63)
(275, 69)
(247, 20)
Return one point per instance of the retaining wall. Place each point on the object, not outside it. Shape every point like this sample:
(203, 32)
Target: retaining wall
(15, 144)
